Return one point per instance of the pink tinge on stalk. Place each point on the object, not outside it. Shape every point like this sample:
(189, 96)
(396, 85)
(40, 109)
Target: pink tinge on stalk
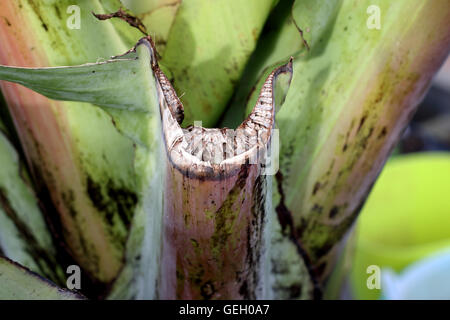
(216, 203)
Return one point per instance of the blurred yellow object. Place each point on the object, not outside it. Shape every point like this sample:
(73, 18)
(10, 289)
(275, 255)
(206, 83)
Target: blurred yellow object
(405, 219)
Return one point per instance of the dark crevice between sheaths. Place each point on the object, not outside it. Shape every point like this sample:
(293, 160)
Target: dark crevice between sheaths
(91, 288)
(10, 132)
(34, 180)
(258, 219)
(40, 256)
(286, 220)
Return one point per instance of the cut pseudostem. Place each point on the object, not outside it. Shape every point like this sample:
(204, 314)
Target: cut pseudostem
(216, 215)
(202, 217)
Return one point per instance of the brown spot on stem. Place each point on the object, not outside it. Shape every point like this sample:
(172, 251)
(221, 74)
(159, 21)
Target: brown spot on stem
(316, 187)
(344, 148)
(207, 290)
(112, 201)
(382, 133)
(316, 208)
(361, 122)
(295, 290)
(243, 290)
(333, 212)
(7, 22)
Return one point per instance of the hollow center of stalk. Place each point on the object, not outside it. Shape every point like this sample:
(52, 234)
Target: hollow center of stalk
(216, 145)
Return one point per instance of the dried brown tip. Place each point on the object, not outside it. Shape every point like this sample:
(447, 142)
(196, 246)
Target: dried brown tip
(128, 18)
(167, 90)
(262, 117)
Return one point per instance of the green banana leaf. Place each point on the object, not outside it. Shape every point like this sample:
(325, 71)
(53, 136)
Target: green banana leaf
(18, 283)
(24, 234)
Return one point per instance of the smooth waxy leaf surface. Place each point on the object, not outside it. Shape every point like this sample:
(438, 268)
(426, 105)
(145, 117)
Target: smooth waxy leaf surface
(18, 283)
(122, 84)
